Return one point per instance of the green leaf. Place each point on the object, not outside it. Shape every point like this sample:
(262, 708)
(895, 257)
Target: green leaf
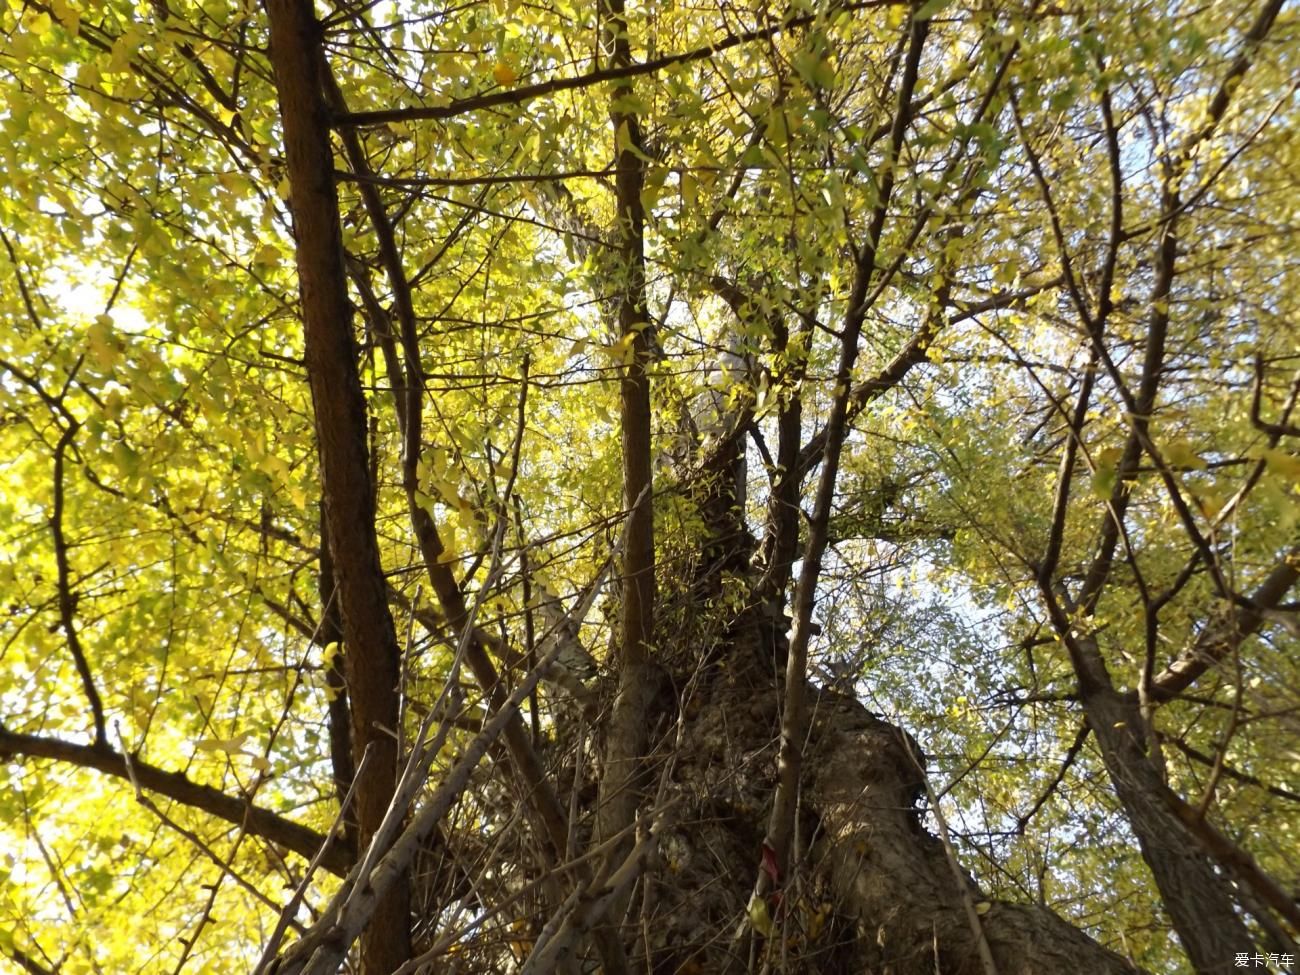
(930, 8)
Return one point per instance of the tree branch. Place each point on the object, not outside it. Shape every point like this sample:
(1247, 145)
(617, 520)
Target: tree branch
(178, 787)
(616, 72)
(1218, 641)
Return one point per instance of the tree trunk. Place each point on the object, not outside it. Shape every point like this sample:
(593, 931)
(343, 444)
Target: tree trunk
(631, 712)
(1194, 893)
(868, 889)
(371, 655)
(330, 633)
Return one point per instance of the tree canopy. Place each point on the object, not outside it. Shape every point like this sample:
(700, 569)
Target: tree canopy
(649, 487)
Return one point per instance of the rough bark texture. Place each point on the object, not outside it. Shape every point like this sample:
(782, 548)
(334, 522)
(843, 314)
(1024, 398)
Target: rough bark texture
(330, 633)
(893, 875)
(638, 677)
(860, 850)
(1196, 896)
(370, 638)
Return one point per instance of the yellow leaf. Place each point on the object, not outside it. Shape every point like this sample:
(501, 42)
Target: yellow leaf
(228, 745)
(1210, 504)
(778, 127)
(425, 503)
(123, 50)
(1179, 453)
(503, 74)
(1106, 475)
(68, 16)
(623, 137)
(621, 351)
(40, 24)
(817, 922)
(88, 75)
(1109, 456)
(103, 347)
(759, 917)
(705, 167)
(1281, 462)
(1103, 482)
(690, 189)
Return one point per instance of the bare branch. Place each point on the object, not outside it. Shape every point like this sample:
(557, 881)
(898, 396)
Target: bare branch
(260, 822)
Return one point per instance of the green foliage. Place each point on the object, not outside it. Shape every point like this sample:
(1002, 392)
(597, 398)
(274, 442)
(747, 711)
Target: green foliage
(158, 432)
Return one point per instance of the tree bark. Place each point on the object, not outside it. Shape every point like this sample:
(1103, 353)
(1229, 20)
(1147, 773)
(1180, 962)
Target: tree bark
(1195, 894)
(330, 633)
(861, 851)
(627, 736)
(894, 876)
(372, 657)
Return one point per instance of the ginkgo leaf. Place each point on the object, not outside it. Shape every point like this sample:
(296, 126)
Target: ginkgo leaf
(620, 352)
(931, 8)
(426, 503)
(126, 458)
(102, 341)
(815, 69)
(1106, 474)
(228, 745)
(778, 127)
(170, 468)
(1180, 453)
(40, 24)
(1282, 462)
(68, 16)
(1104, 480)
(690, 189)
(759, 916)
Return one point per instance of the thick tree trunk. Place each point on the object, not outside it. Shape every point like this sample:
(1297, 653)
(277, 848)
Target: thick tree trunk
(894, 877)
(1194, 893)
(627, 735)
(868, 889)
(370, 638)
